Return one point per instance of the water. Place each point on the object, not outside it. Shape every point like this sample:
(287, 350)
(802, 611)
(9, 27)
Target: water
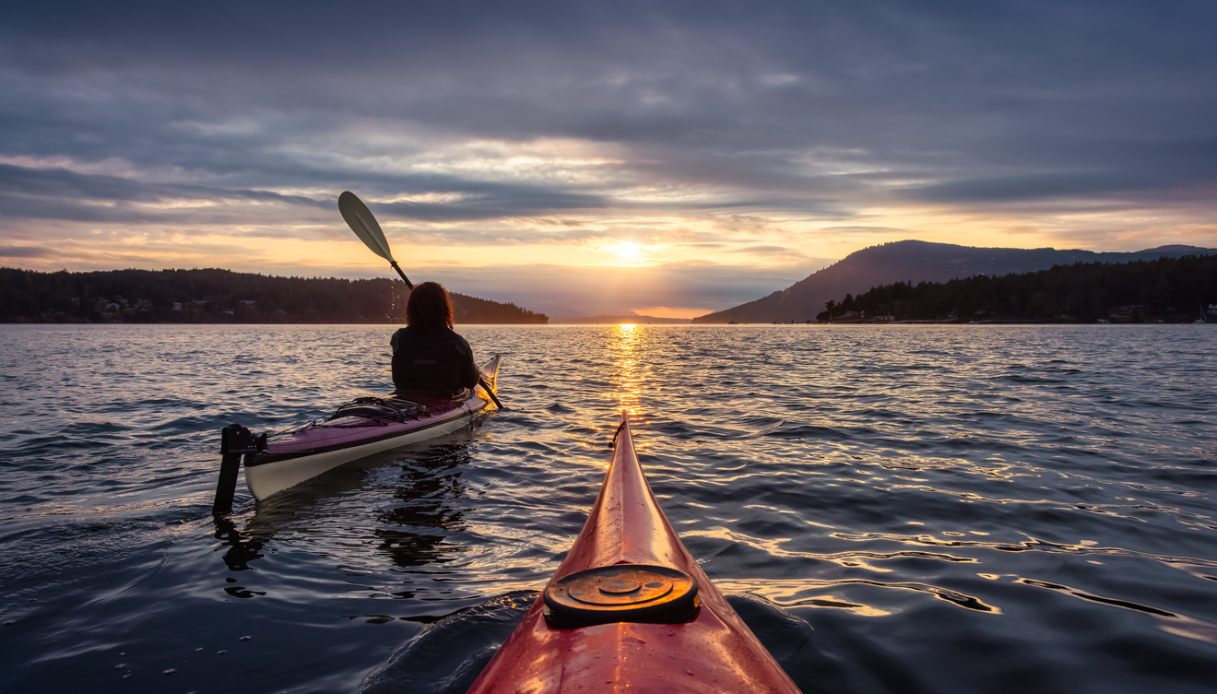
(899, 508)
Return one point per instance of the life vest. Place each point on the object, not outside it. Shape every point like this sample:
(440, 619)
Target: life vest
(435, 362)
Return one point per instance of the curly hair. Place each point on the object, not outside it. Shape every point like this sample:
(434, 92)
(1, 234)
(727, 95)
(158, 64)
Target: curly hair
(429, 307)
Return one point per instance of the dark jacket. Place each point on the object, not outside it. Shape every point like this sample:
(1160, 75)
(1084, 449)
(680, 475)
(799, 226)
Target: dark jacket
(432, 362)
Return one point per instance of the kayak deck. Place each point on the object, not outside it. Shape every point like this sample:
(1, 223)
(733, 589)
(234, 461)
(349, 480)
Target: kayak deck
(711, 650)
(344, 430)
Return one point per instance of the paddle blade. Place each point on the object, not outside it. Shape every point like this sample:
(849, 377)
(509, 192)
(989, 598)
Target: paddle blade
(361, 221)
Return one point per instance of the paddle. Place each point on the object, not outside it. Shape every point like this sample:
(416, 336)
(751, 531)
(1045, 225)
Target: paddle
(364, 224)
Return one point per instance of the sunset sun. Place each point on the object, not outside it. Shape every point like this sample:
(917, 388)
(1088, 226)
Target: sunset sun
(628, 252)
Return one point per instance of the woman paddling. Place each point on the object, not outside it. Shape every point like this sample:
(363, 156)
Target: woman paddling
(429, 358)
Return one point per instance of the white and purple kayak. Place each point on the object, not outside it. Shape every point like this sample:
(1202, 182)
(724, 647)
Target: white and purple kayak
(358, 429)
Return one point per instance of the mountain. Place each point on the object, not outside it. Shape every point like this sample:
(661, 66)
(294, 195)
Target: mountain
(916, 261)
(220, 296)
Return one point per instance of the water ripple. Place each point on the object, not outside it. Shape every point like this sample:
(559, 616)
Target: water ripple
(888, 507)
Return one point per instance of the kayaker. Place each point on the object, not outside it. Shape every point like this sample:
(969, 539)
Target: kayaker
(429, 357)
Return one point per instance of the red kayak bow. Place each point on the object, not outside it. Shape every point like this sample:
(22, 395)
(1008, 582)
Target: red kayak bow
(630, 609)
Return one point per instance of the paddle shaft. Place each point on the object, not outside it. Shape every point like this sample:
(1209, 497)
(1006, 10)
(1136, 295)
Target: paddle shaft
(402, 274)
(481, 381)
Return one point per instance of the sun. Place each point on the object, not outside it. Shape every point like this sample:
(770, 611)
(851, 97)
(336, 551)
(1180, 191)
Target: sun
(628, 252)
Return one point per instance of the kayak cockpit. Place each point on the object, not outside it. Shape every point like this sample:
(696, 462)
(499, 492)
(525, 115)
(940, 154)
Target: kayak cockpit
(379, 408)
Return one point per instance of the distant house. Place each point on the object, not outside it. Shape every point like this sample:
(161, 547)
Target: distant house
(1127, 313)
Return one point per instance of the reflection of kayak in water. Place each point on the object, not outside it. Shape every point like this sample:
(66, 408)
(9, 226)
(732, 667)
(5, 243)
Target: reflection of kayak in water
(414, 511)
(630, 609)
(358, 429)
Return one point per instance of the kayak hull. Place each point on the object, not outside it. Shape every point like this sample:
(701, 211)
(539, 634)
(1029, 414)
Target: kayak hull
(711, 651)
(310, 451)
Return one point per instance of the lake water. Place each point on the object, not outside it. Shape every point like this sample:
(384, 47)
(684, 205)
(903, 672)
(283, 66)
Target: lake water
(890, 508)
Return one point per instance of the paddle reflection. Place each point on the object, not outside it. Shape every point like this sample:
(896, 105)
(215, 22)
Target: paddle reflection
(242, 548)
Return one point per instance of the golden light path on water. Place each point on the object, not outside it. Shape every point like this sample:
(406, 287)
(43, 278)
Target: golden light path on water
(627, 378)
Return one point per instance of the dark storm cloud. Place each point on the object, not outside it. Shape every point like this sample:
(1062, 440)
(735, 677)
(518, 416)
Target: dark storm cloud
(506, 201)
(1152, 170)
(69, 185)
(1028, 187)
(801, 109)
(43, 193)
(25, 252)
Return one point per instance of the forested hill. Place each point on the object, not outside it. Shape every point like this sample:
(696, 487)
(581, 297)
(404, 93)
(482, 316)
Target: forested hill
(220, 296)
(1172, 290)
(916, 261)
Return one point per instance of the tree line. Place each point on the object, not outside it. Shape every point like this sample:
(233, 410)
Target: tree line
(1173, 290)
(220, 296)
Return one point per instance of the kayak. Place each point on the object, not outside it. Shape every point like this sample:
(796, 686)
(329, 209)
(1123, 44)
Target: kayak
(630, 609)
(358, 429)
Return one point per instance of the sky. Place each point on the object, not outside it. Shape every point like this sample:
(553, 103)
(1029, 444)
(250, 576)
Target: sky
(669, 158)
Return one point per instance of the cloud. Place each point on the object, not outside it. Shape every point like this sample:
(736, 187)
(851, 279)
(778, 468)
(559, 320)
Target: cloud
(25, 252)
(767, 126)
(775, 251)
(687, 97)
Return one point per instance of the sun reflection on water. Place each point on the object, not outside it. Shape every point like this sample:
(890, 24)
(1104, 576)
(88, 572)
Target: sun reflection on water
(627, 379)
